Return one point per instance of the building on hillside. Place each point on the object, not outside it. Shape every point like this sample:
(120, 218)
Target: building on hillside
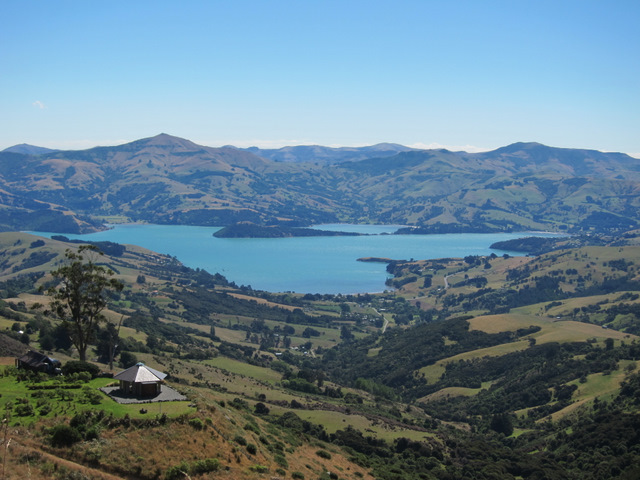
(141, 381)
(38, 362)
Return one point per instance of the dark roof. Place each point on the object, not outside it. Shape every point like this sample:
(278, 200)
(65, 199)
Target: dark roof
(35, 359)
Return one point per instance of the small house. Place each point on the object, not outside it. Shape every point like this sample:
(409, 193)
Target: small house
(38, 362)
(140, 381)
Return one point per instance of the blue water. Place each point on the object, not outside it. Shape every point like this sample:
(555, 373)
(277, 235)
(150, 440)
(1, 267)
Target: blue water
(303, 264)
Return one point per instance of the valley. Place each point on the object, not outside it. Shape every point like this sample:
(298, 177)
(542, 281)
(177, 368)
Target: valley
(488, 366)
(514, 356)
(320, 240)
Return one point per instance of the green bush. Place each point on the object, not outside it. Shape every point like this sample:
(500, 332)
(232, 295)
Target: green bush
(251, 427)
(280, 460)
(196, 423)
(252, 449)
(24, 410)
(324, 454)
(204, 466)
(64, 435)
(199, 467)
(239, 439)
(77, 366)
(127, 359)
(92, 433)
(80, 377)
(239, 404)
(89, 395)
(297, 475)
(177, 471)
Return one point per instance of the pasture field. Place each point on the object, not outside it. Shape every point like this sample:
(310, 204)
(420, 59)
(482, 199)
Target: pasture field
(234, 366)
(433, 373)
(552, 329)
(333, 421)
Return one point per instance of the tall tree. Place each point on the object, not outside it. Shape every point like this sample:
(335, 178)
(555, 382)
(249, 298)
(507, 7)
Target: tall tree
(81, 295)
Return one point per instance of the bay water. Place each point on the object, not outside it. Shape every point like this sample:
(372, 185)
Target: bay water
(300, 264)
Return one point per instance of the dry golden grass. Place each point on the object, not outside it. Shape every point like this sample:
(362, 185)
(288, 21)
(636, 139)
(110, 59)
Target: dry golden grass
(552, 330)
(232, 336)
(433, 373)
(570, 331)
(504, 322)
(450, 392)
(28, 462)
(262, 301)
(7, 361)
(604, 387)
(151, 451)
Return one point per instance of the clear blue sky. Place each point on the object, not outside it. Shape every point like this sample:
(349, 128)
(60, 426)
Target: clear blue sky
(75, 74)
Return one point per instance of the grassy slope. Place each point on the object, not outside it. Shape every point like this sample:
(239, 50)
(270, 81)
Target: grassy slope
(220, 380)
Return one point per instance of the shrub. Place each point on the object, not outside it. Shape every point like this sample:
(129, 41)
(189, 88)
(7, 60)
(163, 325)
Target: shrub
(196, 423)
(239, 404)
(252, 449)
(77, 366)
(297, 475)
(280, 460)
(92, 433)
(24, 410)
(204, 466)
(324, 454)
(127, 359)
(79, 377)
(177, 471)
(251, 427)
(91, 396)
(259, 468)
(239, 439)
(64, 435)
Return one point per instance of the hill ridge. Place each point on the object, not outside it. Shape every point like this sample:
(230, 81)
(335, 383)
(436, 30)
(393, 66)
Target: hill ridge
(171, 180)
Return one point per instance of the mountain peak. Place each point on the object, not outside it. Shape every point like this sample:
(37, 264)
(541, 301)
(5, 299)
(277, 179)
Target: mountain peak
(166, 140)
(519, 146)
(26, 149)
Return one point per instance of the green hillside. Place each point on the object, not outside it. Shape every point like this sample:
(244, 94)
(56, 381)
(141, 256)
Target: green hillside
(482, 367)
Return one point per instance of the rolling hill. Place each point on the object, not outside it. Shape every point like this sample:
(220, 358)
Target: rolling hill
(170, 180)
(496, 367)
(328, 155)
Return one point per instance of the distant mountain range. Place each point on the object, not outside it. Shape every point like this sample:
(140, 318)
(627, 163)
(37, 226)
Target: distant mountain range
(170, 180)
(328, 155)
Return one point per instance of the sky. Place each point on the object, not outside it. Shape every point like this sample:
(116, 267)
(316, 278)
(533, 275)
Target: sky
(465, 75)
